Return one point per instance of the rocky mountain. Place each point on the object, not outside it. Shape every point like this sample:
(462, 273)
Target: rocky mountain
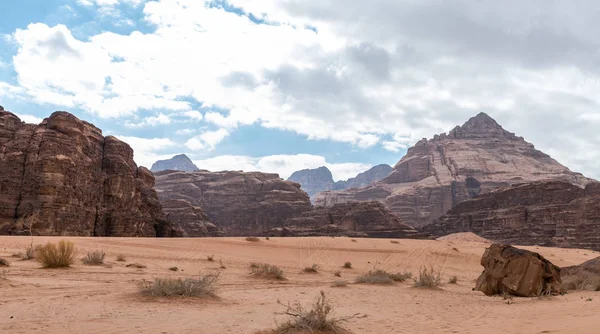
(65, 178)
(437, 174)
(190, 220)
(316, 180)
(179, 162)
(546, 213)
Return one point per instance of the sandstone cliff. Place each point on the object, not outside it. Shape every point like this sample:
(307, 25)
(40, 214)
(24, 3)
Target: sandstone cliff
(67, 179)
(365, 178)
(179, 162)
(437, 174)
(551, 213)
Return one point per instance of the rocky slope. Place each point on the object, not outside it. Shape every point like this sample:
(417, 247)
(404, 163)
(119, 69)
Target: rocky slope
(64, 177)
(437, 174)
(179, 162)
(190, 220)
(551, 213)
(316, 180)
(238, 203)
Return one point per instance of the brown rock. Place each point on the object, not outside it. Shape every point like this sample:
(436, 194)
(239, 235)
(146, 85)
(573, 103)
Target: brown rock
(517, 272)
(437, 174)
(553, 213)
(67, 179)
(585, 276)
(189, 219)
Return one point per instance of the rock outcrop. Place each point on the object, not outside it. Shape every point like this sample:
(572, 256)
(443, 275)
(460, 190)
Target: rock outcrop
(585, 276)
(238, 203)
(437, 174)
(189, 220)
(65, 178)
(179, 162)
(366, 219)
(517, 272)
(552, 213)
(316, 180)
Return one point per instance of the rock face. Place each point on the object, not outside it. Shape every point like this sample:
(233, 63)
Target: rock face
(189, 220)
(437, 174)
(517, 272)
(552, 213)
(179, 162)
(367, 219)
(316, 180)
(585, 276)
(67, 179)
(238, 203)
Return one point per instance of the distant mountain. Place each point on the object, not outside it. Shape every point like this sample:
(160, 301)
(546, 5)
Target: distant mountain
(316, 180)
(179, 162)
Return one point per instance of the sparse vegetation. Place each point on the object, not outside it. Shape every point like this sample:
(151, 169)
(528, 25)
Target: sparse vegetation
(354, 240)
(339, 284)
(203, 286)
(210, 258)
(94, 258)
(268, 271)
(337, 273)
(395, 241)
(173, 269)
(589, 299)
(28, 255)
(60, 255)
(267, 238)
(253, 239)
(455, 249)
(4, 262)
(312, 269)
(348, 265)
(453, 280)
(316, 319)
(382, 277)
(121, 258)
(221, 265)
(136, 265)
(428, 278)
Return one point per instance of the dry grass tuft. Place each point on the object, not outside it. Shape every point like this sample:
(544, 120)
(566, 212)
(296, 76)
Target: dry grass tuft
(339, 284)
(265, 270)
(337, 273)
(121, 258)
(173, 269)
(60, 255)
(203, 287)
(210, 258)
(382, 277)
(453, 280)
(353, 240)
(348, 265)
(395, 241)
(314, 320)
(94, 258)
(312, 269)
(28, 255)
(136, 265)
(4, 262)
(253, 239)
(428, 278)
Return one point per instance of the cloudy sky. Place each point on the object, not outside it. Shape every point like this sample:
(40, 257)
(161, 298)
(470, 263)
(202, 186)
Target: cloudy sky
(281, 85)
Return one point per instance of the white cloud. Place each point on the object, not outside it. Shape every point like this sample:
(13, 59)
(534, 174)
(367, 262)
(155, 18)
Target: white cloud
(145, 150)
(184, 132)
(284, 165)
(207, 140)
(29, 118)
(160, 119)
(193, 114)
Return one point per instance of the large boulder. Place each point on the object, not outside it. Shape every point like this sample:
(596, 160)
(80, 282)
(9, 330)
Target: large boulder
(585, 276)
(517, 272)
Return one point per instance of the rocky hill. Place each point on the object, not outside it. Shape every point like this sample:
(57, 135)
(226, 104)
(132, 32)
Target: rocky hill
(550, 213)
(65, 178)
(439, 173)
(316, 180)
(179, 162)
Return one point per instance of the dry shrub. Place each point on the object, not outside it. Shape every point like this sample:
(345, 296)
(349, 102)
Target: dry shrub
(60, 255)
(339, 284)
(382, 277)
(210, 258)
(348, 265)
(253, 239)
(314, 320)
(221, 265)
(337, 273)
(121, 258)
(353, 240)
(136, 265)
(428, 278)
(453, 280)
(94, 258)
(312, 269)
(203, 286)
(395, 241)
(29, 253)
(173, 269)
(4, 262)
(266, 270)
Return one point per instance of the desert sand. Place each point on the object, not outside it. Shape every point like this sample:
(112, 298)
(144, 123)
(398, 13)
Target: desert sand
(104, 299)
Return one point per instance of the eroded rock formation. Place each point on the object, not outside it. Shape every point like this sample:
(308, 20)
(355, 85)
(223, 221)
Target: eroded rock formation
(189, 220)
(179, 162)
(437, 174)
(517, 272)
(552, 213)
(66, 178)
(585, 276)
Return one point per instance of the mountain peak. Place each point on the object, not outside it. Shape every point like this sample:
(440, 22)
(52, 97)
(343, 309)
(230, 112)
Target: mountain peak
(481, 125)
(178, 162)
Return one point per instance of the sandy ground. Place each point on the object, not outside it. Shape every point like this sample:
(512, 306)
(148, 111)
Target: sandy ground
(104, 299)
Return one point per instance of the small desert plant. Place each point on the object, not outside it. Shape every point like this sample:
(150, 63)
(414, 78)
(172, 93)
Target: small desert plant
(353, 240)
(382, 277)
(266, 271)
(4, 262)
(589, 299)
(453, 280)
(348, 265)
(339, 284)
(60, 255)
(136, 265)
(221, 265)
(428, 278)
(317, 319)
(173, 269)
(253, 239)
(203, 286)
(210, 258)
(267, 238)
(312, 269)
(94, 258)
(337, 273)
(395, 241)
(121, 258)
(28, 255)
